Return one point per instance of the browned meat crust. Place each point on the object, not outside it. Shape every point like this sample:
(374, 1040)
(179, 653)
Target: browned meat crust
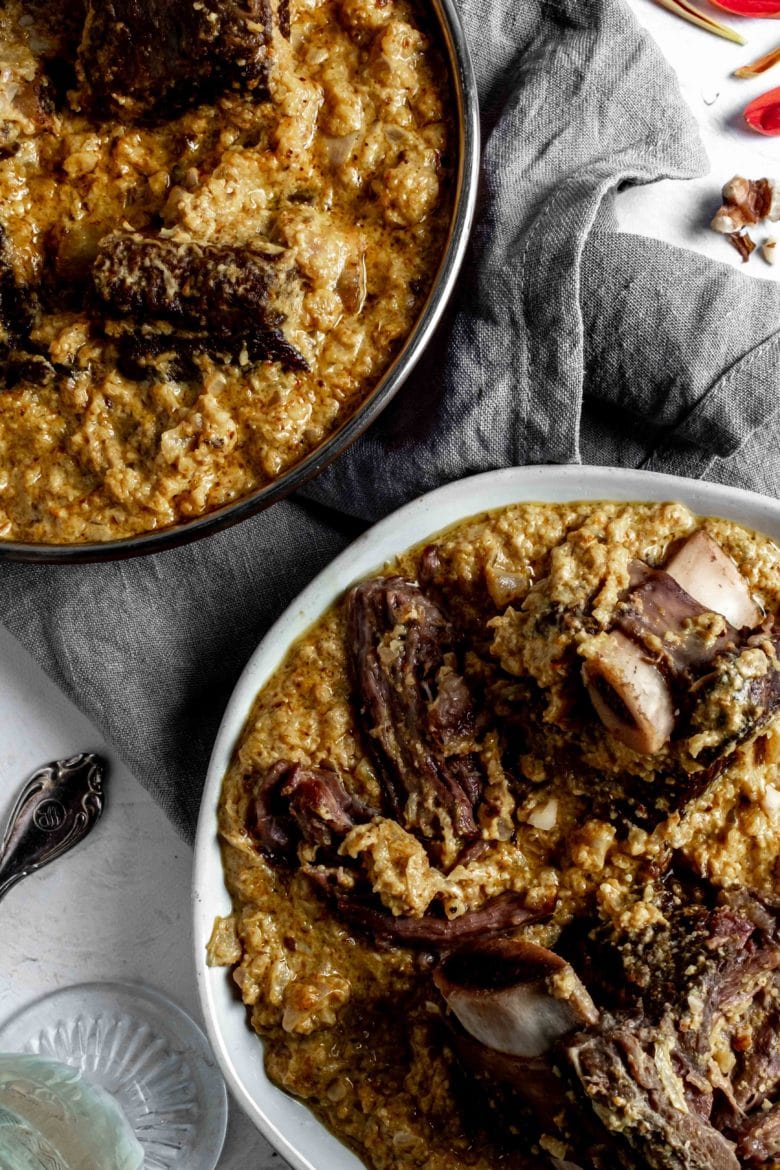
(139, 57)
(221, 292)
(16, 303)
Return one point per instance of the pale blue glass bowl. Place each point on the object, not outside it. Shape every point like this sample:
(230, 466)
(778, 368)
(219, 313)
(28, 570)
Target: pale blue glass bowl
(143, 1050)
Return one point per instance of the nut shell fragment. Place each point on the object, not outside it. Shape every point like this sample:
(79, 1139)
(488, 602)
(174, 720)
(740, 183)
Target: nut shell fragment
(743, 244)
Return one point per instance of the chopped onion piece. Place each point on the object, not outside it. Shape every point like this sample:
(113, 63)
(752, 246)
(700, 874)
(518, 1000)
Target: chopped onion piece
(771, 800)
(544, 816)
(339, 149)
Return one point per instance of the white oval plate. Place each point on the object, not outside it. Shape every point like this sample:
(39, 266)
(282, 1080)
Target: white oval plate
(286, 1123)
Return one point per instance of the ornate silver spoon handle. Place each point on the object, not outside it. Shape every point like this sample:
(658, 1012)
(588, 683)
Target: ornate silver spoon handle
(57, 806)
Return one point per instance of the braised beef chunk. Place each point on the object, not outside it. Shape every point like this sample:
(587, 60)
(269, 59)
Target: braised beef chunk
(687, 1062)
(415, 707)
(738, 698)
(757, 1073)
(639, 1097)
(143, 355)
(143, 57)
(197, 286)
(707, 952)
(674, 1064)
(321, 806)
(291, 803)
(18, 309)
(220, 293)
(32, 368)
(158, 355)
(269, 821)
(695, 952)
(659, 614)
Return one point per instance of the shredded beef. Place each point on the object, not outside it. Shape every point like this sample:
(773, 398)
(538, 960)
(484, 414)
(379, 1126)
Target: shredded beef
(416, 709)
(757, 1073)
(503, 913)
(17, 303)
(737, 699)
(639, 1099)
(759, 1139)
(291, 803)
(704, 980)
(652, 1073)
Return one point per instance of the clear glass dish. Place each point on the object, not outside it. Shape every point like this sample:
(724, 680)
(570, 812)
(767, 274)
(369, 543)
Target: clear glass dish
(146, 1052)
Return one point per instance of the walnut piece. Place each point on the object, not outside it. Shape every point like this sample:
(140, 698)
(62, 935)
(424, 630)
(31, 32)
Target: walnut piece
(746, 202)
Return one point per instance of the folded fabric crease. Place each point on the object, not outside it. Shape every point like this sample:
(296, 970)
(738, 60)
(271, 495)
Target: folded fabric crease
(567, 341)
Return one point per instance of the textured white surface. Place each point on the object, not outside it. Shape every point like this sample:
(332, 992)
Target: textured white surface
(118, 907)
(680, 212)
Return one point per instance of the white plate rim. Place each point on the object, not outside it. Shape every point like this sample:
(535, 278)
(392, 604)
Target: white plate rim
(286, 1123)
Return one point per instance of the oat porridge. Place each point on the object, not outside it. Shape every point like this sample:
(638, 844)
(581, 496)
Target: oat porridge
(218, 224)
(501, 837)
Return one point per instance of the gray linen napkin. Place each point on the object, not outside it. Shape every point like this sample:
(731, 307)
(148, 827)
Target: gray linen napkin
(567, 341)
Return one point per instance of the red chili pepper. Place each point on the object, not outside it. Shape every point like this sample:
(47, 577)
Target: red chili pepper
(763, 113)
(749, 7)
